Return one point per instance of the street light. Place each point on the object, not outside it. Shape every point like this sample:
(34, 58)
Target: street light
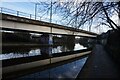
(50, 11)
(36, 10)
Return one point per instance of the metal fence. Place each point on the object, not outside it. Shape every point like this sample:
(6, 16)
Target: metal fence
(22, 14)
(31, 16)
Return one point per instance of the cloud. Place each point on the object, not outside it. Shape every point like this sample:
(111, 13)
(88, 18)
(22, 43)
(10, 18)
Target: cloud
(115, 18)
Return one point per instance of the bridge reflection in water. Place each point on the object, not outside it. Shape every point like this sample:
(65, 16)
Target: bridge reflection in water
(17, 61)
(52, 61)
(16, 58)
(17, 52)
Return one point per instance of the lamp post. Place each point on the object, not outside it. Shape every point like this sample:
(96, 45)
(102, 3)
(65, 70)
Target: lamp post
(36, 10)
(51, 12)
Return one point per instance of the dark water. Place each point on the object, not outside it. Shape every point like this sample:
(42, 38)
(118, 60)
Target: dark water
(69, 70)
(17, 52)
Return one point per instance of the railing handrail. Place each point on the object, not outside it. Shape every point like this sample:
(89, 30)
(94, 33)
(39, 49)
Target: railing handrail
(19, 13)
(23, 14)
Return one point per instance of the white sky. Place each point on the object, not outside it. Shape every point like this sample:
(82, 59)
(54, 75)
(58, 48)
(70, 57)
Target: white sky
(53, 0)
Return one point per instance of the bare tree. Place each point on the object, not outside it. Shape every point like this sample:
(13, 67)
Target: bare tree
(80, 14)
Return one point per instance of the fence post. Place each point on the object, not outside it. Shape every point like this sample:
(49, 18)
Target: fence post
(35, 10)
(17, 13)
(30, 16)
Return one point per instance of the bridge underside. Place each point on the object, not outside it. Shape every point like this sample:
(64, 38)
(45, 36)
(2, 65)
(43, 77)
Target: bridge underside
(20, 23)
(44, 29)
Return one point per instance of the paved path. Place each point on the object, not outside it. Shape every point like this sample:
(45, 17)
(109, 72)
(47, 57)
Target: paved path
(99, 65)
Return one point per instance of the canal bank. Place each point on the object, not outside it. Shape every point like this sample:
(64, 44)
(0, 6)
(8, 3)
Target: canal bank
(99, 65)
(10, 71)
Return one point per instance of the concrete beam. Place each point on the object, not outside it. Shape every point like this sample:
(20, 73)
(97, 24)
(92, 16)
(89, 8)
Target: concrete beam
(15, 22)
(39, 63)
(37, 28)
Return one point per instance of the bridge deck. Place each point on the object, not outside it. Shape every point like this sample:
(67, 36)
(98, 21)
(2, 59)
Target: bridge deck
(99, 65)
(25, 24)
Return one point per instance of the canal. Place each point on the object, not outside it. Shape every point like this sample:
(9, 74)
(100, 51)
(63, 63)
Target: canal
(23, 61)
(69, 69)
(18, 52)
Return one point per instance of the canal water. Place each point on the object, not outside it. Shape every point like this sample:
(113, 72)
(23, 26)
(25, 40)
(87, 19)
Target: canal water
(18, 52)
(69, 71)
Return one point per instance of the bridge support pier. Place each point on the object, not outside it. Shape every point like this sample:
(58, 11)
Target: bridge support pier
(47, 39)
(70, 42)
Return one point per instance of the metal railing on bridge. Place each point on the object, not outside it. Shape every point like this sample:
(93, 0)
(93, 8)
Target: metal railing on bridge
(39, 18)
(23, 14)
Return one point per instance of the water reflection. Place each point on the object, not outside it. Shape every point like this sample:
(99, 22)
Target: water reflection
(17, 52)
(69, 70)
(78, 46)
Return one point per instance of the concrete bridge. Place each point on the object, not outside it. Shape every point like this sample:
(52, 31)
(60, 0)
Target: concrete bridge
(17, 22)
(95, 66)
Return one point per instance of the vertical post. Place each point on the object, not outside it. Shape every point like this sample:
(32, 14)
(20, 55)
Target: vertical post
(73, 37)
(51, 38)
(17, 13)
(35, 10)
(70, 42)
(76, 14)
(50, 35)
(30, 16)
(89, 28)
(51, 12)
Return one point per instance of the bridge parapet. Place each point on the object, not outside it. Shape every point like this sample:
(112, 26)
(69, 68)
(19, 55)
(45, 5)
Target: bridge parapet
(18, 22)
